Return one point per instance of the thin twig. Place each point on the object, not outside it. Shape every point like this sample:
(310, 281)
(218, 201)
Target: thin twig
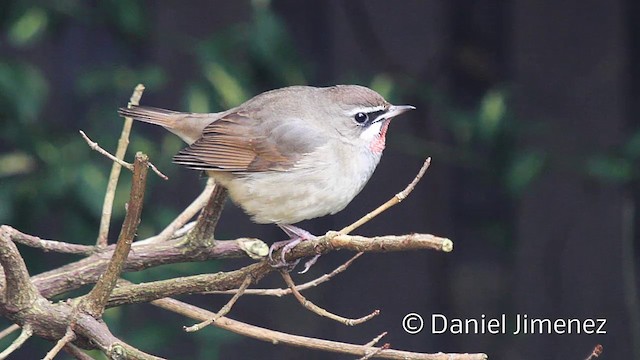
(25, 334)
(94, 302)
(8, 331)
(301, 287)
(276, 337)
(94, 146)
(375, 351)
(76, 352)
(123, 143)
(62, 342)
(376, 339)
(597, 351)
(186, 215)
(320, 311)
(393, 201)
(225, 309)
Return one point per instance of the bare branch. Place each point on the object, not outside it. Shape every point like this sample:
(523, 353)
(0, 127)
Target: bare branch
(94, 146)
(25, 334)
(301, 287)
(19, 290)
(320, 311)
(376, 339)
(49, 245)
(197, 284)
(597, 351)
(276, 337)
(76, 352)
(225, 309)
(202, 235)
(123, 143)
(186, 215)
(375, 351)
(68, 337)
(8, 331)
(393, 201)
(94, 302)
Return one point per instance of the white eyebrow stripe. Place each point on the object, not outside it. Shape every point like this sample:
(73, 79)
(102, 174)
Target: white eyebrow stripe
(367, 110)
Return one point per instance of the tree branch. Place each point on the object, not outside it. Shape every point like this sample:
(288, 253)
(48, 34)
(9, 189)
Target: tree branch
(203, 283)
(320, 311)
(225, 309)
(49, 245)
(94, 302)
(202, 235)
(276, 337)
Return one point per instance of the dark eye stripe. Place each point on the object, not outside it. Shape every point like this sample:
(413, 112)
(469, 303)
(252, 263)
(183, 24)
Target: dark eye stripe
(375, 114)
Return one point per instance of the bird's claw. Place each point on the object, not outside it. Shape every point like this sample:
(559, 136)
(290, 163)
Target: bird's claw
(296, 236)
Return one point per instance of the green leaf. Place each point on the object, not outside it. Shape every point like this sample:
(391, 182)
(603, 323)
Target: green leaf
(227, 85)
(28, 27)
(610, 168)
(525, 168)
(491, 114)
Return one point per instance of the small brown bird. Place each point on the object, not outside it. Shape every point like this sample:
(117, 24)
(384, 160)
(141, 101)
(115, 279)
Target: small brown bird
(289, 154)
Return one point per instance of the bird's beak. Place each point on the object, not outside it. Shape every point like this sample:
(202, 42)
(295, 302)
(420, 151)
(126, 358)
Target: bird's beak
(395, 110)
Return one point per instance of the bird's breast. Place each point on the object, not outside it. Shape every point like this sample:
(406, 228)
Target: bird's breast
(321, 183)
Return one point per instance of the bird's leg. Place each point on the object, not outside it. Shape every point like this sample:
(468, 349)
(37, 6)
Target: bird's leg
(296, 236)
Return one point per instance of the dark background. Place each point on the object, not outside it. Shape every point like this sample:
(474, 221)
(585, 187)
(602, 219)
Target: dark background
(528, 108)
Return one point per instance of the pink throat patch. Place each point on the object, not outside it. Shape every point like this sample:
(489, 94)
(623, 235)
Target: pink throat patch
(377, 145)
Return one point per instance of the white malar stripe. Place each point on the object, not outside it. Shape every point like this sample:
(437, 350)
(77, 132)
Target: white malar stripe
(372, 131)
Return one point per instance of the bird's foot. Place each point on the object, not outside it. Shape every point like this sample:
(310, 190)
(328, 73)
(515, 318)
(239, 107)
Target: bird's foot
(296, 236)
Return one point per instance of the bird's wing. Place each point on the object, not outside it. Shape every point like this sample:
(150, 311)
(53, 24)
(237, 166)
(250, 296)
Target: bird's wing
(239, 143)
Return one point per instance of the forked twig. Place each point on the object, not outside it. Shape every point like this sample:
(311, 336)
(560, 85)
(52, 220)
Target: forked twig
(320, 311)
(376, 339)
(94, 146)
(375, 351)
(301, 287)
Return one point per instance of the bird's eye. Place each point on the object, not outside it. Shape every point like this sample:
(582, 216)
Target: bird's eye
(361, 118)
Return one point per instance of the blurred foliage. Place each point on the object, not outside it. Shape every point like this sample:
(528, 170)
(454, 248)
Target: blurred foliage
(620, 165)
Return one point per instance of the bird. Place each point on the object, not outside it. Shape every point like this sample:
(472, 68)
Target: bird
(285, 155)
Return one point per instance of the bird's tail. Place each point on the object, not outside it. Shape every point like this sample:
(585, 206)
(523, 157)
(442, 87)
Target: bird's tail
(157, 116)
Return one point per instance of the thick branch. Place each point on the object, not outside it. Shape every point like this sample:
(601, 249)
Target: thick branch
(142, 256)
(19, 291)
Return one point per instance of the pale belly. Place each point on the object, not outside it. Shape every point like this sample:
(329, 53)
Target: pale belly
(306, 192)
